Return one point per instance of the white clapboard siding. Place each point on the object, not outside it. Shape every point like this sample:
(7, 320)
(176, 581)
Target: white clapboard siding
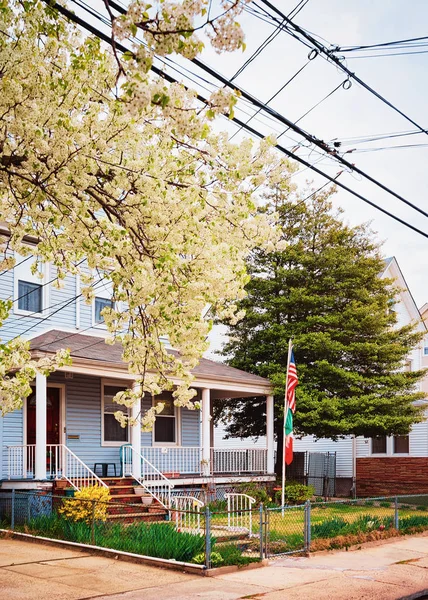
(221, 442)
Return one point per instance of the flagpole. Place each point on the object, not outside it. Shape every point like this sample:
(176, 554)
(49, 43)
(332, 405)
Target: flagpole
(284, 441)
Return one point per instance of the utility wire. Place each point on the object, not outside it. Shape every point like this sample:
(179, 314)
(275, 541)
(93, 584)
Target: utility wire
(71, 16)
(380, 45)
(296, 30)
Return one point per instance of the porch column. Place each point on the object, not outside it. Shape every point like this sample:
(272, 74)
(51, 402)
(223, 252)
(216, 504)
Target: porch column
(136, 434)
(269, 435)
(40, 454)
(206, 446)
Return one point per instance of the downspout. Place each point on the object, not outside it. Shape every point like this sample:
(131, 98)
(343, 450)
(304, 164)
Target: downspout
(354, 467)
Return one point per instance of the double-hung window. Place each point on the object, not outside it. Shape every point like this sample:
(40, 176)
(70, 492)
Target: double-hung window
(30, 296)
(113, 433)
(99, 305)
(30, 290)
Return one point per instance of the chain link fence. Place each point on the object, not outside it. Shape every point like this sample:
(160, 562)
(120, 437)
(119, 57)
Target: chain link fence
(236, 531)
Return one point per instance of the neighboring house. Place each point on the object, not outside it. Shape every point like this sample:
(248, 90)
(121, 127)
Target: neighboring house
(67, 428)
(384, 465)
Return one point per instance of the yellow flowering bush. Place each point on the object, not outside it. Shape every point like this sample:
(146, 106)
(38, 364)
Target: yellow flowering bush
(80, 507)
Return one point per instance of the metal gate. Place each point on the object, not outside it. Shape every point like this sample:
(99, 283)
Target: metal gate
(314, 468)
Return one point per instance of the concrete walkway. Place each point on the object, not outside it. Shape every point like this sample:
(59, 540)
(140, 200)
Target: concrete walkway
(388, 571)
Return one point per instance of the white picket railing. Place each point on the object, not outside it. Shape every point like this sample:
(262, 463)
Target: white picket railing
(76, 472)
(239, 513)
(61, 462)
(152, 480)
(239, 460)
(178, 459)
(187, 513)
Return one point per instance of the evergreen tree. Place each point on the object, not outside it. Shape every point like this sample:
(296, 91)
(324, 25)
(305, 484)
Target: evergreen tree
(324, 291)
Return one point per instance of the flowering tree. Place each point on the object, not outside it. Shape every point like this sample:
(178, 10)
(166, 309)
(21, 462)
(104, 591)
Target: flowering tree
(104, 163)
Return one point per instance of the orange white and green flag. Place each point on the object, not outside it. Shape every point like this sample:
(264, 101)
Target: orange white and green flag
(290, 408)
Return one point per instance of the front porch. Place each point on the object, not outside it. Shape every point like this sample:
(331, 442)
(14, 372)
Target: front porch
(67, 429)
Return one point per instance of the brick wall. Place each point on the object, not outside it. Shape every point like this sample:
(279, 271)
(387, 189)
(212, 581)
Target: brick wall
(387, 476)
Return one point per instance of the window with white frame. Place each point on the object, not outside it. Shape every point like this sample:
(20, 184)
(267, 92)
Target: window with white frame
(400, 444)
(396, 444)
(99, 305)
(30, 289)
(379, 445)
(113, 433)
(103, 299)
(165, 428)
(425, 350)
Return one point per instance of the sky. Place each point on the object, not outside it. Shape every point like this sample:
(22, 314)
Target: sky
(348, 113)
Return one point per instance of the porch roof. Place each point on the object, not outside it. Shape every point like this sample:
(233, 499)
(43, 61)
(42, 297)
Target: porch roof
(94, 350)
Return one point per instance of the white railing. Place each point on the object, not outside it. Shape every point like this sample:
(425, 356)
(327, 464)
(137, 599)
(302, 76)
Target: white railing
(20, 461)
(239, 460)
(76, 472)
(187, 513)
(239, 513)
(179, 459)
(61, 462)
(152, 480)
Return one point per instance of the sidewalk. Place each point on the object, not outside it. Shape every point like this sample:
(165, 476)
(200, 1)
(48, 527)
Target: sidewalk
(392, 570)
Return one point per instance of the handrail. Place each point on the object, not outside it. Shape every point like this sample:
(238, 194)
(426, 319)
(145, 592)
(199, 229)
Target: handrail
(61, 462)
(187, 513)
(88, 477)
(239, 512)
(153, 481)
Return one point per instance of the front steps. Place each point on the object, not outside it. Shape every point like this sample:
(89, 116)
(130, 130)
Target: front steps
(125, 506)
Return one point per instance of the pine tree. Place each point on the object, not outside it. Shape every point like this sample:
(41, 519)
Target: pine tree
(324, 291)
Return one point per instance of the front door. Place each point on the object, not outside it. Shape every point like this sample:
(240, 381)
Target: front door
(52, 418)
(53, 425)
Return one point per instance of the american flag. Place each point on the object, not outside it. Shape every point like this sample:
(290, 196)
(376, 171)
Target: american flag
(292, 384)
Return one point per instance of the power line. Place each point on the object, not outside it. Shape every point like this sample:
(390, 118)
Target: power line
(380, 45)
(71, 16)
(328, 54)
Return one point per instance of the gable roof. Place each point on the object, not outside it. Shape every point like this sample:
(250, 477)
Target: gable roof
(91, 348)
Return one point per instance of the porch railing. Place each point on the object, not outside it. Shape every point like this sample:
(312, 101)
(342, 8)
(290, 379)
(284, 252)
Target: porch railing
(239, 460)
(178, 459)
(187, 513)
(152, 480)
(61, 462)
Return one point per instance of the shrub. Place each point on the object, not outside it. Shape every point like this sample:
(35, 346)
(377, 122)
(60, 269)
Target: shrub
(218, 505)
(423, 508)
(296, 493)
(385, 504)
(87, 503)
(256, 491)
(368, 503)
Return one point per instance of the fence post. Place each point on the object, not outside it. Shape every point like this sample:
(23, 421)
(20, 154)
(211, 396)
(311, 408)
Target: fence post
(207, 538)
(12, 512)
(396, 520)
(93, 523)
(307, 526)
(261, 529)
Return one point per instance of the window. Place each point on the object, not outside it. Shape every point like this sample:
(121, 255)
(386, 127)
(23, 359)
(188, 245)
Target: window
(113, 433)
(379, 444)
(166, 421)
(426, 350)
(401, 444)
(100, 304)
(30, 296)
(30, 289)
